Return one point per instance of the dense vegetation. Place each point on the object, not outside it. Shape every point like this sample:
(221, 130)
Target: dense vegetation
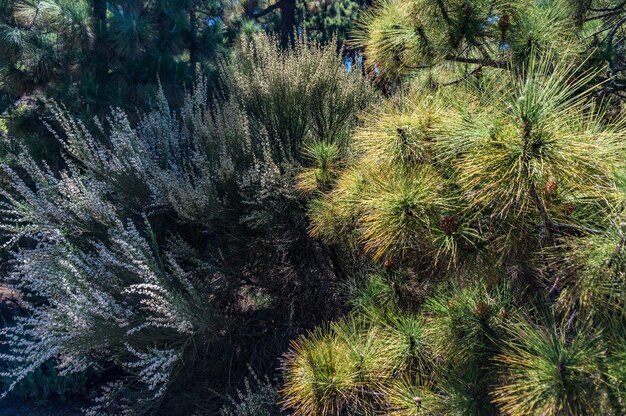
(435, 227)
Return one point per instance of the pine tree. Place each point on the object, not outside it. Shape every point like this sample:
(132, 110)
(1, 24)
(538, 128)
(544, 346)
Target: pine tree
(488, 190)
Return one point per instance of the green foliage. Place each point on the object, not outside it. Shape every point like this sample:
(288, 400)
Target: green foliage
(93, 60)
(321, 175)
(469, 351)
(92, 54)
(593, 270)
(546, 136)
(490, 184)
(451, 39)
(320, 94)
(434, 362)
(339, 371)
(464, 322)
(432, 172)
(550, 369)
(464, 326)
(324, 19)
(183, 247)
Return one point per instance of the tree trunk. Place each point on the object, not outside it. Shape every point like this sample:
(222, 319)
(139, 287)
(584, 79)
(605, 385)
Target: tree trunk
(581, 9)
(193, 41)
(249, 8)
(99, 46)
(287, 19)
(287, 22)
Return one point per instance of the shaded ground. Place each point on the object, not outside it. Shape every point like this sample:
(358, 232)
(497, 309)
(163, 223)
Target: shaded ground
(22, 409)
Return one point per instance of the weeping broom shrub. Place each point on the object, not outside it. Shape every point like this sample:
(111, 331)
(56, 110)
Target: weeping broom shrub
(147, 254)
(259, 398)
(293, 94)
(45, 385)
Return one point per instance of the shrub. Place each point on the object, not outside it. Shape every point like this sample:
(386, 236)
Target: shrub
(401, 37)
(259, 398)
(45, 385)
(297, 94)
(338, 371)
(156, 243)
(395, 361)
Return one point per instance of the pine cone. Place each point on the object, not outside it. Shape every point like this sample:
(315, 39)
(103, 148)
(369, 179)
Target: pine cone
(551, 187)
(388, 264)
(504, 23)
(448, 225)
(482, 310)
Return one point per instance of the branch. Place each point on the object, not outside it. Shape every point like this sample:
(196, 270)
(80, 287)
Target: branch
(464, 77)
(268, 9)
(545, 218)
(603, 15)
(571, 228)
(444, 12)
(484, 53)
(619, 6)
(13, 301)
(483, 62)
(554, 226)
(610, 37)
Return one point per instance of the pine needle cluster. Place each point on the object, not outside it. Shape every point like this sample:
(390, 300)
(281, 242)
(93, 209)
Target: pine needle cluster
(494, 209)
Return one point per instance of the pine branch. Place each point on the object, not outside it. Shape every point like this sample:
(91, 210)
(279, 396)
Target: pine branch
(484, 61)
(464, 77)
(617, 7)
(268, 9)
(605, 14)
(444, 12)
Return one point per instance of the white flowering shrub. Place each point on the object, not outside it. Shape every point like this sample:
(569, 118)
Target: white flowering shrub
(155, 240)
(260, 397)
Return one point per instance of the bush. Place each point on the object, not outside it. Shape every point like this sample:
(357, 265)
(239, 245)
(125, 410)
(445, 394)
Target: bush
(260, 397)
(153, 247)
